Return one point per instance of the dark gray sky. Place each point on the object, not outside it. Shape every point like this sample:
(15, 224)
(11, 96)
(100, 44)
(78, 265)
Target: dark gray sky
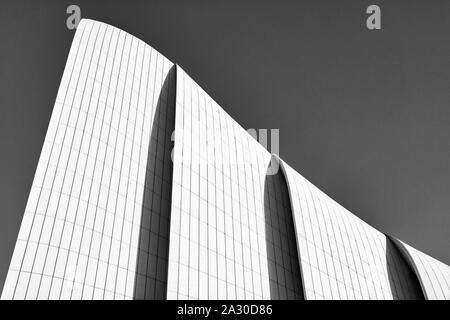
(364, 115)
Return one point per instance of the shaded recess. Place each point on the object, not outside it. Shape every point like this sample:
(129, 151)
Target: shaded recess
(402, 280)
(153, 247)
(283, 259)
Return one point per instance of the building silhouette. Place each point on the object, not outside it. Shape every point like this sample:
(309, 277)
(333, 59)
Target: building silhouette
(147, 189)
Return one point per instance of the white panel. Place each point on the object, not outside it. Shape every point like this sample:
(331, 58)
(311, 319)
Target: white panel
(93, 158)
(433, 275)
(339, 250)
(209, 151)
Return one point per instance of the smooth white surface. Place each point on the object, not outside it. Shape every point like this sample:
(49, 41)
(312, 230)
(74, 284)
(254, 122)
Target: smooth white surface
(434, 275)
(341, 256)
(217, 240)
(79, 236)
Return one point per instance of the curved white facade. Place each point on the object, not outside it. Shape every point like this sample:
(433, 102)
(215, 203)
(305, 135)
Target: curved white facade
(434, 275)
(217, 244)
(341, 256)
(80, 231)
(123, 208)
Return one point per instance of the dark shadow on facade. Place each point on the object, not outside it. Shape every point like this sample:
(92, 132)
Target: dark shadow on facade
(403, 281)
(153, 247)
(284, 269)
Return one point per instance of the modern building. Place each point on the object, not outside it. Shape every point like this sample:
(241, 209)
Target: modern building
(147, 189)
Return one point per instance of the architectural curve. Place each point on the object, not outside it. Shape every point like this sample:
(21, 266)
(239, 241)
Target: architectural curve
(79, 236)
(341, 256)
(115, 212)
(433, 275)
(217, 244)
